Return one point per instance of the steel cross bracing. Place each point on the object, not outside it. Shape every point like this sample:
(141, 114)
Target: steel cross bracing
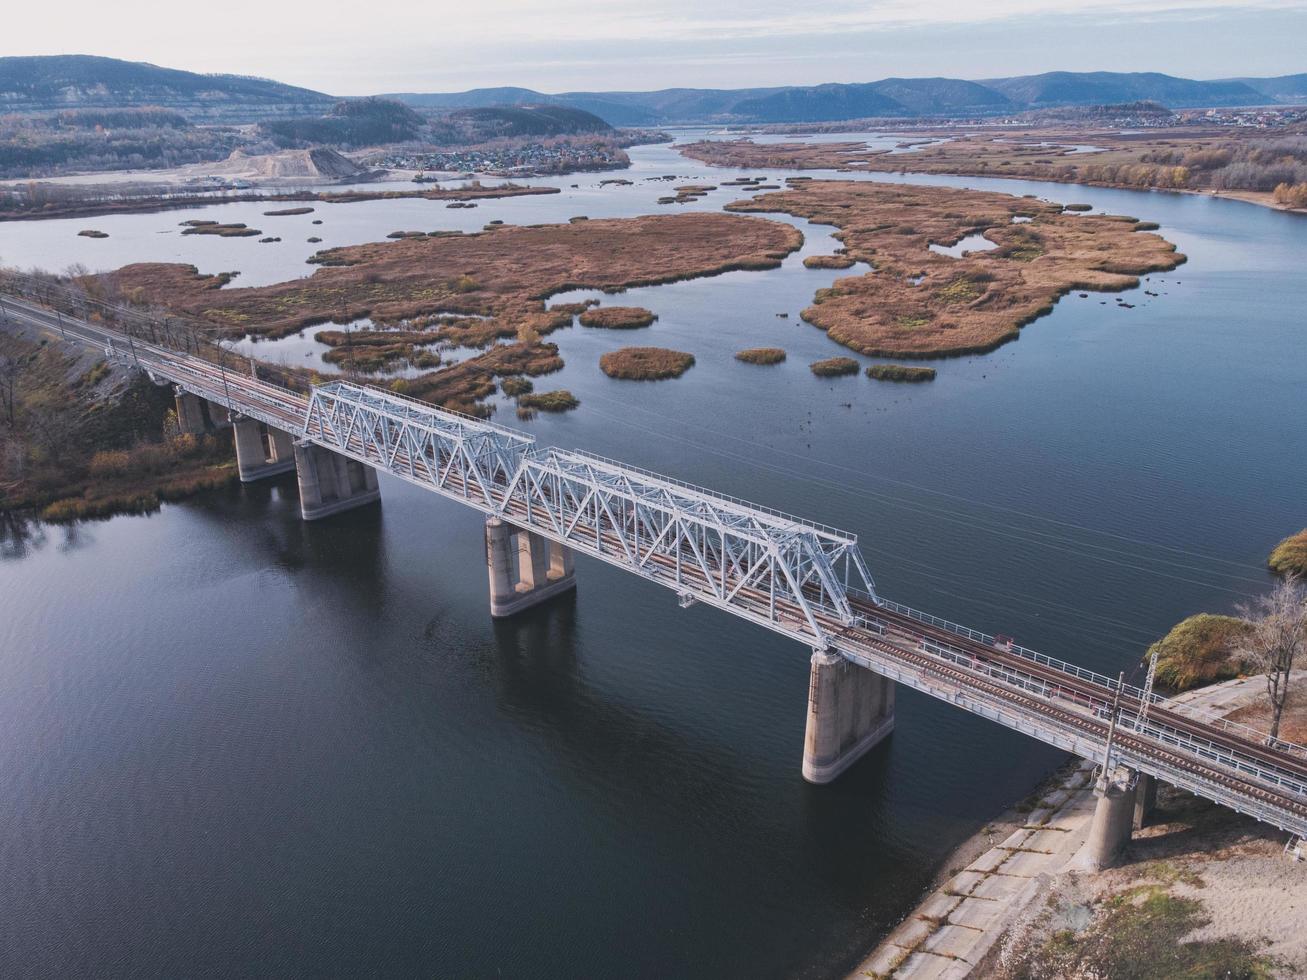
(801, 579)
(774, 569)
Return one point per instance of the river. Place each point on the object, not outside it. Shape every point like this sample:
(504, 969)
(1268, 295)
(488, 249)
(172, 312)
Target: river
(235, 743)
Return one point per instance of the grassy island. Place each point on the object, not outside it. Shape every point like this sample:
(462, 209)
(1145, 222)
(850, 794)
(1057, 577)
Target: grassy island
(237, 230)
(617, 317)
(1290, 555)
(645, 363)
(287, 212)
(900, 372)
(918, 303)
(828, 262)
(92, 233)
(834, 367)
(761, 355)
(469, 290)
(1196, 652)
(549, 401)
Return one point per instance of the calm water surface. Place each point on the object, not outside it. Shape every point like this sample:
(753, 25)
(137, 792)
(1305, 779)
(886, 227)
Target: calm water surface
(235, 743)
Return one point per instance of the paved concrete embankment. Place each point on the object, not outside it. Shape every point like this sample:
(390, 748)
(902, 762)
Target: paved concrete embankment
(958, 924)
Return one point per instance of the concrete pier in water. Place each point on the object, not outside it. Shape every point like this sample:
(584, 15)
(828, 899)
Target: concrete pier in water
(331, 483)
(261, 450)
(850, 710)
(525, 568)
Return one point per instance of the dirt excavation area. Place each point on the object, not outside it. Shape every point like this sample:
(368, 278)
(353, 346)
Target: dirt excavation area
(958, 271)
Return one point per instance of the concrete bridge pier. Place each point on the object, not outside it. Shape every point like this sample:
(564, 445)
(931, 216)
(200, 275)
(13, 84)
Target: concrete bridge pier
(850, 710)
(1145, 800)
(261, 450)
(190, 412)
(1114, 817)
(525, 568)
(219, 415)
(331, 483)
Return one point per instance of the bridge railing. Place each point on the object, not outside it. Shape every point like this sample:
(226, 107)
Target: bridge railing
(1109, 683)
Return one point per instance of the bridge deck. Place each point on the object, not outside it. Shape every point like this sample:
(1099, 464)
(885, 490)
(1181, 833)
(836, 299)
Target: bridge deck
(798, 578)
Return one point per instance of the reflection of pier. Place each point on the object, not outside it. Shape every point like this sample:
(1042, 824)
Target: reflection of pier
(803, 580)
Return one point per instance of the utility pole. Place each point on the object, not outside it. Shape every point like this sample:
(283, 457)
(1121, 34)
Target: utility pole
(1142, 718)
(222, 369)
(1111, 724)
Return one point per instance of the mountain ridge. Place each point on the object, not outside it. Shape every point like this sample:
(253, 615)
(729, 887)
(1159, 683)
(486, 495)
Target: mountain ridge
(49, 83)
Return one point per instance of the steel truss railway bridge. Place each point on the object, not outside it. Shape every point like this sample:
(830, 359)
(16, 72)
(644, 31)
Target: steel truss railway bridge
(801, 579)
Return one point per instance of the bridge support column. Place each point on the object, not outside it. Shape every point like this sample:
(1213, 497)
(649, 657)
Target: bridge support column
(331, 483)
(525, 568)
(1145, 800)
(261, 451)
(850, 710)
(190, 414)
(219, 415)
(1113, 820)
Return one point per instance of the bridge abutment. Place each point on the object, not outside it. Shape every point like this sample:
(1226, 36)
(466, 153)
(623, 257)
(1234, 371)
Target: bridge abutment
(525, 568)
(261, 450)
(331, 483)
(1113, 821)
(850, 710)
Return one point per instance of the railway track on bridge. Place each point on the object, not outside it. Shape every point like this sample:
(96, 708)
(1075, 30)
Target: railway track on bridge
(769, 568)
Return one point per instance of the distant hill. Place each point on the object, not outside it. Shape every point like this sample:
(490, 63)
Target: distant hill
(75, 81)
(529, 120)
(889, 97)
(31, 85)
(1285, 88)
(1062, 88)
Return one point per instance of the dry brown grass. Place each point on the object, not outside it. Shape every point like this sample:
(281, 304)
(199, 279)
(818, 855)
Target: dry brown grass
(834, 367)
(505, 274)
(617, 317)
(828, 262)
(645, 363)
(761, 355)
(1290, 555)
(900, 372)
(967, 305)
(1187, 158)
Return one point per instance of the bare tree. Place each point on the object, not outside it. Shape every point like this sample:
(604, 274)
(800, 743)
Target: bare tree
(1276, 640)
(11, 369)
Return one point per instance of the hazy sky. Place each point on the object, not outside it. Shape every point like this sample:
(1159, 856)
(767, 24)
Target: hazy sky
(349, 48)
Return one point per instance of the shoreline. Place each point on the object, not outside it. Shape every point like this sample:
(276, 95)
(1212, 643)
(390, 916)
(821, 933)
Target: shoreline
(932, 939)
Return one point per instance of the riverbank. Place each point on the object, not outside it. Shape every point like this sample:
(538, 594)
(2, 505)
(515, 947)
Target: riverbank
(89, 439)
(1011, 902)
(1181, 161)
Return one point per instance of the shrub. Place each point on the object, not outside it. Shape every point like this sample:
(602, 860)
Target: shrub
(834, 367)
(1196, 652)
(900, 372)
(550, 401)
(761, 355)
(1291, 195)
(109, 463)
(1290, 555)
